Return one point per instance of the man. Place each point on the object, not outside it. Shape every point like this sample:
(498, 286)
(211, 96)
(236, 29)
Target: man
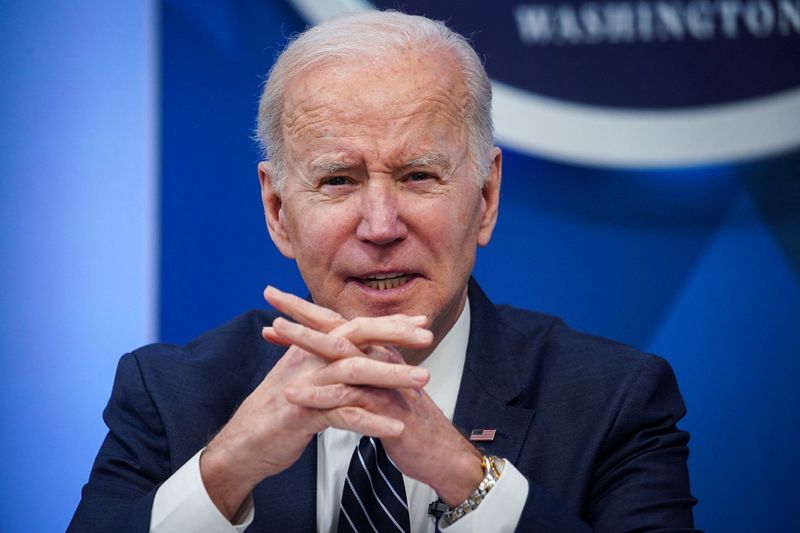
(381, 181)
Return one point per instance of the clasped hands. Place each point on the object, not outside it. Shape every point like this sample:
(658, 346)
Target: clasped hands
(345, 374)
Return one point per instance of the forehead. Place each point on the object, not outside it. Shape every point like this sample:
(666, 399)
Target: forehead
(406, 103)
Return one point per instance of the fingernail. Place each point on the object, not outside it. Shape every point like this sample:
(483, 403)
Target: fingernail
(419, 319)
(286, 325)
(397, 427)
(420, 375)
(422, 335)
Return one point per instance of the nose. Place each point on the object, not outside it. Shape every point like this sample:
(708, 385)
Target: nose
(380, 222)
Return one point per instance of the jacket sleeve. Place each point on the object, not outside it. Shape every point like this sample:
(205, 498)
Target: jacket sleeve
(132, 461)
(640, 478)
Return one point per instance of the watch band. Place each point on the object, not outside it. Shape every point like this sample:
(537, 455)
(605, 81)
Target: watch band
(492, 469)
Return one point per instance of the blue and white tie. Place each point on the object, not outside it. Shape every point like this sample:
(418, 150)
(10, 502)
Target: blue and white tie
(374, 498)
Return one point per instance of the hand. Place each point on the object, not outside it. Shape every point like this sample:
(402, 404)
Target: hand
(428, 448)
(267, 433)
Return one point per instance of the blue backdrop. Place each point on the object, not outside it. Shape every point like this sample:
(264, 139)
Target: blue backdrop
(700, 264)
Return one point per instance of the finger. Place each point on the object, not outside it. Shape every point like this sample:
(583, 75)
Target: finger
(330, 347)
(341, 395)
(419, 320)
(363, 422)
(326, 397)
(366, 371)
(397, 330)
(270, 335)
(387, 354)
(303, 311)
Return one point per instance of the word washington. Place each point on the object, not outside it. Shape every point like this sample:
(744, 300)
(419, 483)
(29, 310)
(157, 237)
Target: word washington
(655, 21)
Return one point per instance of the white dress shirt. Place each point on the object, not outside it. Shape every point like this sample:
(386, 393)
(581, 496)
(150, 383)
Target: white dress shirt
(182, 504)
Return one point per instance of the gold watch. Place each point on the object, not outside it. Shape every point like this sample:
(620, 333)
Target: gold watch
(492, 469)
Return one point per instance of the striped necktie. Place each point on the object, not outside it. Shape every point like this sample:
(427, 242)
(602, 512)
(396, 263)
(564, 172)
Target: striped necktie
(374, 498)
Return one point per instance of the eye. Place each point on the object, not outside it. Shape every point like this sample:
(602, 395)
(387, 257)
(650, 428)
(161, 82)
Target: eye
(335, 181)
(419, 176)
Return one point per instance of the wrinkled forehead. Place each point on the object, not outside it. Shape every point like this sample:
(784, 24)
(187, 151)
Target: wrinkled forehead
(374, 93)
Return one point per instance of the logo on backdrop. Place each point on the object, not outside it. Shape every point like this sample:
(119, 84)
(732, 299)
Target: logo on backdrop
(654, 21)
(642, 83)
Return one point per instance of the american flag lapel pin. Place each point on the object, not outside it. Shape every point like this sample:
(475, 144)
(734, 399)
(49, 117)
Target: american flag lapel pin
(482, 435)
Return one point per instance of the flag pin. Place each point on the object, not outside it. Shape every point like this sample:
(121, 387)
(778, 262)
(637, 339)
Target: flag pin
(482, 435)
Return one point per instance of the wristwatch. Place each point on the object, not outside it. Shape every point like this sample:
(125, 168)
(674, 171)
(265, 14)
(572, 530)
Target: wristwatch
(492, 469)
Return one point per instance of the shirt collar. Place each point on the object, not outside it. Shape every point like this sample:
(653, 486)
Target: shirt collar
(446, 364)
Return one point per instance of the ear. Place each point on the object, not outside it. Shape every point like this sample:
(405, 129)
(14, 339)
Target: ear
(491, 198)
(273, 210)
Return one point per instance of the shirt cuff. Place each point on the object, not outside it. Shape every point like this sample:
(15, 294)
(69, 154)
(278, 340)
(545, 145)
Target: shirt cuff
(500, 509)
(182, 504)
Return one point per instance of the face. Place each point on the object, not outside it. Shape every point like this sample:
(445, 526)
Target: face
(381, 207)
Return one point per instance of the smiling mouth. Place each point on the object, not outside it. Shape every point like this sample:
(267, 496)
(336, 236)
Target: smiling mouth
(384, 282)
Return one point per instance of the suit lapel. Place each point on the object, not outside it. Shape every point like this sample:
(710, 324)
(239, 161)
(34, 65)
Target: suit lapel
(490, 382)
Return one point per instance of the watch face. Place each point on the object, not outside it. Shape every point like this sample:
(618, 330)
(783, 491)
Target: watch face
(498, 464)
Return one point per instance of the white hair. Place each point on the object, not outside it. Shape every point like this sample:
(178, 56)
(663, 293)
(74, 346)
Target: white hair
(374, 35)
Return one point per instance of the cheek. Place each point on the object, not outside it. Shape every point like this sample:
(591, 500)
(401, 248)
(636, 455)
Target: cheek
(317, 233)
(456, 219)
(471, 217)
(448, 227)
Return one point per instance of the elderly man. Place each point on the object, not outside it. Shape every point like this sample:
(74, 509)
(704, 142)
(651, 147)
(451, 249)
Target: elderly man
(399, 397)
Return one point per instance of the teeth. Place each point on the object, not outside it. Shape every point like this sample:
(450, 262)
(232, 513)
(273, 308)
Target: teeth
(382, 282)
(386, 276)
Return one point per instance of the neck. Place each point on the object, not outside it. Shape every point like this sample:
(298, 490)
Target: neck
(440, 327)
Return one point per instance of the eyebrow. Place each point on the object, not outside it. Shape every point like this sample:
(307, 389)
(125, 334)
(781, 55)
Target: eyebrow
(329, 166)
(432, 159)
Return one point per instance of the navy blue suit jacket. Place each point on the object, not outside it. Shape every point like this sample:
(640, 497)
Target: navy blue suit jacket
(589, 422)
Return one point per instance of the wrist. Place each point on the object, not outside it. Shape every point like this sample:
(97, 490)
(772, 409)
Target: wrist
(227, 490)
(462, 480)
(492, 470)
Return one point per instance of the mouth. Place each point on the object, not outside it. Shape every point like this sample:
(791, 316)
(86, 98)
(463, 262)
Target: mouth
(384, 282)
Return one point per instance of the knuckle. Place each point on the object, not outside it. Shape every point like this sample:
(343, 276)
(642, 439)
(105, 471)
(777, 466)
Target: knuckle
(350, 368)
(303, 333)
(295, 356)
(340, 346)
(311, 394)
(289, 415)
(353, 416)
(340, 392)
